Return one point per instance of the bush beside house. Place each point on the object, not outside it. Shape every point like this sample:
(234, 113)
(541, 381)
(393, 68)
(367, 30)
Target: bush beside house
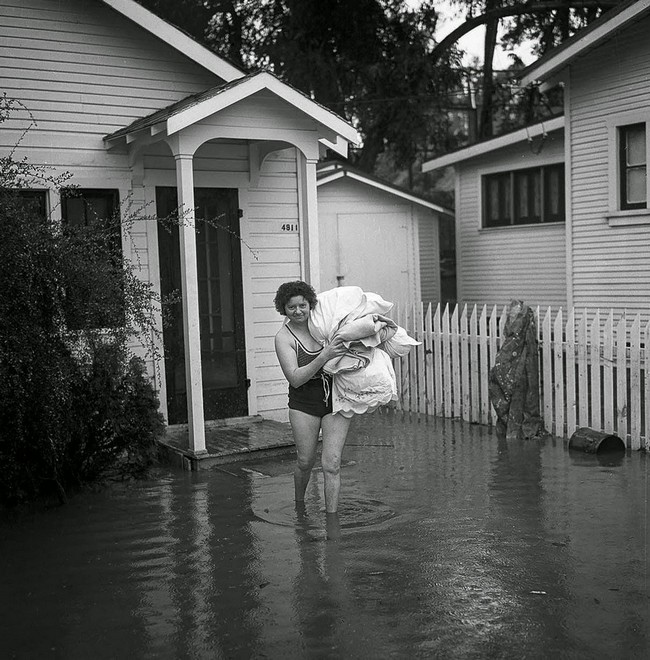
(73, 404)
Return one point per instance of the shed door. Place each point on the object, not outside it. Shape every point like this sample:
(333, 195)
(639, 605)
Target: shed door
(221, 311)
(374, 251)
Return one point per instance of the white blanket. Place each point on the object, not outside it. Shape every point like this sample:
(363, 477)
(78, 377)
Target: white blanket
(363, 378)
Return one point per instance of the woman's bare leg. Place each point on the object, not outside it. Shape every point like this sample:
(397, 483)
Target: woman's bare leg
(305, 429)
(335, 432)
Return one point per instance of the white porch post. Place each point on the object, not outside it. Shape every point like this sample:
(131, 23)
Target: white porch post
(190, 292)
(309, 219)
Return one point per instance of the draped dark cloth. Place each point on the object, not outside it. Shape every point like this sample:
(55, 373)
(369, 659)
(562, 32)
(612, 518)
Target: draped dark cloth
(514, 378)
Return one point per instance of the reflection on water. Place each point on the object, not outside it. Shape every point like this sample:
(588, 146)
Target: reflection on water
(448, 543)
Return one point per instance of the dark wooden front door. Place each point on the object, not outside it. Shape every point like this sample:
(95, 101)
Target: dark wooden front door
(221, 310)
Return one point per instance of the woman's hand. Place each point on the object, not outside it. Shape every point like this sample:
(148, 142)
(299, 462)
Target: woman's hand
(335, 348)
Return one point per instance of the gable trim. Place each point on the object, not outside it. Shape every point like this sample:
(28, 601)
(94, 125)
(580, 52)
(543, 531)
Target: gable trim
(339, 174)
(256, 83)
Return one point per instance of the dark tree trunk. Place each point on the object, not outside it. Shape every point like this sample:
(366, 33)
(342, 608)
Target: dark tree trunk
(485, 128)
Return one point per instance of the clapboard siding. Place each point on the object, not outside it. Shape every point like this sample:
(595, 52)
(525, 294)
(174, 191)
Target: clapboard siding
(497, 265)
(85, 72)
(273, 203)
(610, 266)
(429, 255)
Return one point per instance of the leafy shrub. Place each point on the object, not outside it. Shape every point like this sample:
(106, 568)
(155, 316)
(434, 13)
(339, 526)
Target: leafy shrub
(74, 405)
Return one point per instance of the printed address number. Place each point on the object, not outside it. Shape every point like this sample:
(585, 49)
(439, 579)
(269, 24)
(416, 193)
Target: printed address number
(289, 227)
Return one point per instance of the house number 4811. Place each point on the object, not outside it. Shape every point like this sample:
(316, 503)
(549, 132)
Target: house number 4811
(289, 227)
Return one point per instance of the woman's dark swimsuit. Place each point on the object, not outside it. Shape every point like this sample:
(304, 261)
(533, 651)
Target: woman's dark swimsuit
(315, 396)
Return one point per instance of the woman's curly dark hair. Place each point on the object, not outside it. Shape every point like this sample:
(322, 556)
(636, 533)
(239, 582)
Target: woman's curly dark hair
(288, 290)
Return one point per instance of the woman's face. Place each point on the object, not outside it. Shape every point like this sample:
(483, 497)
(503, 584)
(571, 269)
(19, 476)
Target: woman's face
(297, 309)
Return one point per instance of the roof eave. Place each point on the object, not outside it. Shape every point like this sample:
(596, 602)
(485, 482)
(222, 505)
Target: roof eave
(335, 132)
(482, 148)
(548, 67)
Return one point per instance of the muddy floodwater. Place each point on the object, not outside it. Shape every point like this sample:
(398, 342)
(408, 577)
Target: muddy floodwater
(449, 544)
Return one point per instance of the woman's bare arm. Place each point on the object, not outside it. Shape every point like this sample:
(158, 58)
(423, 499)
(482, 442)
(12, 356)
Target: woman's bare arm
(297, 376)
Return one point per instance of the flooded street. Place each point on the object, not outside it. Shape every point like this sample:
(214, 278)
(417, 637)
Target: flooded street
(449, 544)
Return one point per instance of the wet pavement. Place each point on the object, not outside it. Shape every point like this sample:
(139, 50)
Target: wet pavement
(449, 544)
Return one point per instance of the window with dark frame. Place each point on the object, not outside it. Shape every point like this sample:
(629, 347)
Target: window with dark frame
(35, 201)
(524, 197)
(633, 167)
(93, 208)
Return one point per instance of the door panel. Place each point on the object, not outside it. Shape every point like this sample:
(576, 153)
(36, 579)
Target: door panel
(374, 254)
(221, 310)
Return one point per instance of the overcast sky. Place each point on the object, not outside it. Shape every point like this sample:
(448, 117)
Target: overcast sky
(472, 42)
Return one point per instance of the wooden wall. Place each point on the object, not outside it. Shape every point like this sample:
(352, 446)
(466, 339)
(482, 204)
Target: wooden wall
(610, 262)
(495, 265)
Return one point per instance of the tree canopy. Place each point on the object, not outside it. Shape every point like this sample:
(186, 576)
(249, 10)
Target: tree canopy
(377, 62)
(368, 60)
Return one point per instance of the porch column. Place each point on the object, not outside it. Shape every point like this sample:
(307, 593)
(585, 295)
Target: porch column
(190, 292)
(309, 220)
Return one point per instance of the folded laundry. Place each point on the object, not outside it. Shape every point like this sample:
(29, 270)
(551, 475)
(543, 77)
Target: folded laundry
(363, 378)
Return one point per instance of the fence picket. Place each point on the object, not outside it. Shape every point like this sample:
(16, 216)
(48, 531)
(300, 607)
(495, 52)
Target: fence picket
(608, 374)
(502, 325)
(454, 338)
(437, 358)
(635, 383)
(464, 366)
(494, 321)
(421, 361)
(413, 372)
(484, 366)
(428, 357)
(621, 378)
(583, 387)
(446, 370)
(594, 338)
(558, 357)
(570, 374)
(474, 365)
(547, 369)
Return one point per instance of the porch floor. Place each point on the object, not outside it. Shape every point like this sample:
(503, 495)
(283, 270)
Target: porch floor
(227, 441)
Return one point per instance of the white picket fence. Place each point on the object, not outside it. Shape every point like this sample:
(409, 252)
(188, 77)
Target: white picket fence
(594, 369)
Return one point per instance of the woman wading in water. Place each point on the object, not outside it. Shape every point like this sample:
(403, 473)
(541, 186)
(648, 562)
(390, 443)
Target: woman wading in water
(310, 393)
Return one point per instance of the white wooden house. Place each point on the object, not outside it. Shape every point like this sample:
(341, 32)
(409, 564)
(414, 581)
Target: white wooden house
(510, 246)
(596, 255)
(605, 71)
(378, 236)
(142, 115)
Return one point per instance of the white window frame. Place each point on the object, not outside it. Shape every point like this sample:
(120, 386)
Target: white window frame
(616, 215)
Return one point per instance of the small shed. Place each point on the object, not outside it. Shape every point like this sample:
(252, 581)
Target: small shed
(378, 236)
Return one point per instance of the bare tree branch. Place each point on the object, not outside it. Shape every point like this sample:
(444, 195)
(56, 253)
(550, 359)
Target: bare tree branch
(503, 12)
